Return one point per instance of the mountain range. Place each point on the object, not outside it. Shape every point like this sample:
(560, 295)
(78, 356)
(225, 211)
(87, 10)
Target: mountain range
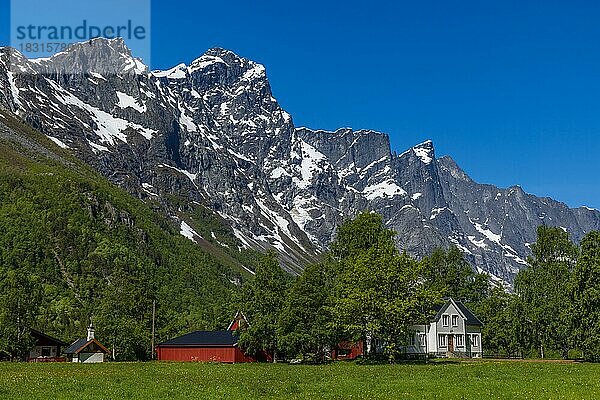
(210, 134)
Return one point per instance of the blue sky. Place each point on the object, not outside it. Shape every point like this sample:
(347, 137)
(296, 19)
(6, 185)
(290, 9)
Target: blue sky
(511, 89)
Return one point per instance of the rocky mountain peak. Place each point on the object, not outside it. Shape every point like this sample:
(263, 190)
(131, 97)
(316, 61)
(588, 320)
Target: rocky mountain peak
(211, 134)
(424, 151)
(99, 55)
(448, 164)
(227, 64)
(226, 55)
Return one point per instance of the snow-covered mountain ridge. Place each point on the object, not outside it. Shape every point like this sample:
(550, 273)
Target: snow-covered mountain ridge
(211, 133)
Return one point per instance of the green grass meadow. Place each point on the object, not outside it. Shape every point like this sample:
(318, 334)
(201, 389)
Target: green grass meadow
(437, 380)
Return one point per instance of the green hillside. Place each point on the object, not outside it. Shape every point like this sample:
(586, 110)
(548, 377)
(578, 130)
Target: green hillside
(74, 246)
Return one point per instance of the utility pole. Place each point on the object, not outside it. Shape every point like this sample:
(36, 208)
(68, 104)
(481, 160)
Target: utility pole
(153, 319)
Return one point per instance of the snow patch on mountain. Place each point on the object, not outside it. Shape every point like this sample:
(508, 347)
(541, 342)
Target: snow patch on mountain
(491, 236)
(479, 243)
(148, 189)
(311, 159)
(190, 176)
(462, 248)
(205, 61)
(386, 189)
(257, 71)
(301, 213)
(177, 72)
(59, 142)
(136, 65)
(436, 211)
(98, 76)
(97, 148)
(186, 121)
(424, 151)
(13, 88)
(127, 101)
(188, 232)
(278, 173)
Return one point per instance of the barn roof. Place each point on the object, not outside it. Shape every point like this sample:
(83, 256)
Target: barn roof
(204, 338)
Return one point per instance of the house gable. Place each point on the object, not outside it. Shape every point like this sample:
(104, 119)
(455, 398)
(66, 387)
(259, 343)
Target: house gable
(86, 346)
(239, 321)
(450, 307)
(449, 319)
(93, 346)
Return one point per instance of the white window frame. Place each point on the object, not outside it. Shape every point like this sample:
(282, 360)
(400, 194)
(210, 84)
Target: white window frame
(474, 340)
(454, 320)
(460, 340)
(422, 339)
(445, 320)
(443, 340)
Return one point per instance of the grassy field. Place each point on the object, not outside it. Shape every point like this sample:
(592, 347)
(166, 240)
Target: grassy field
(452, 380)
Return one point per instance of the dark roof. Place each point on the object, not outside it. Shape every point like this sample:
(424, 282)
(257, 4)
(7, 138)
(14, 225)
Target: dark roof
(204, 338)
(76, 345)
(471, 319)
(440, 309)
(41, 335)
(81, 344)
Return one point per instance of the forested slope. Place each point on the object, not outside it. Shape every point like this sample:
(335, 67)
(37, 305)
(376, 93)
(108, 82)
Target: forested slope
(74, 247)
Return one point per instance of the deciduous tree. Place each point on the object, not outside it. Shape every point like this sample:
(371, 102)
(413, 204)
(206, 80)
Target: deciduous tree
(586, 296)
(545, 291)
(262, 301)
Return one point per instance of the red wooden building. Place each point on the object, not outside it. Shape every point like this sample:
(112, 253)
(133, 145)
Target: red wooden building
(205, 346)
(348, 351)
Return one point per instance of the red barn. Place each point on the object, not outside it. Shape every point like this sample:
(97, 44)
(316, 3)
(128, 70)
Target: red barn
(205, 346)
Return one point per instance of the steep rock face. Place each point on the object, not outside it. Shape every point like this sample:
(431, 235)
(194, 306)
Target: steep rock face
(211, 133)
(500, 224)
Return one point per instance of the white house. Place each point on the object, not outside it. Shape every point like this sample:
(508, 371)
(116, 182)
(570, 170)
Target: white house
(454, 332)
(87, 350)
